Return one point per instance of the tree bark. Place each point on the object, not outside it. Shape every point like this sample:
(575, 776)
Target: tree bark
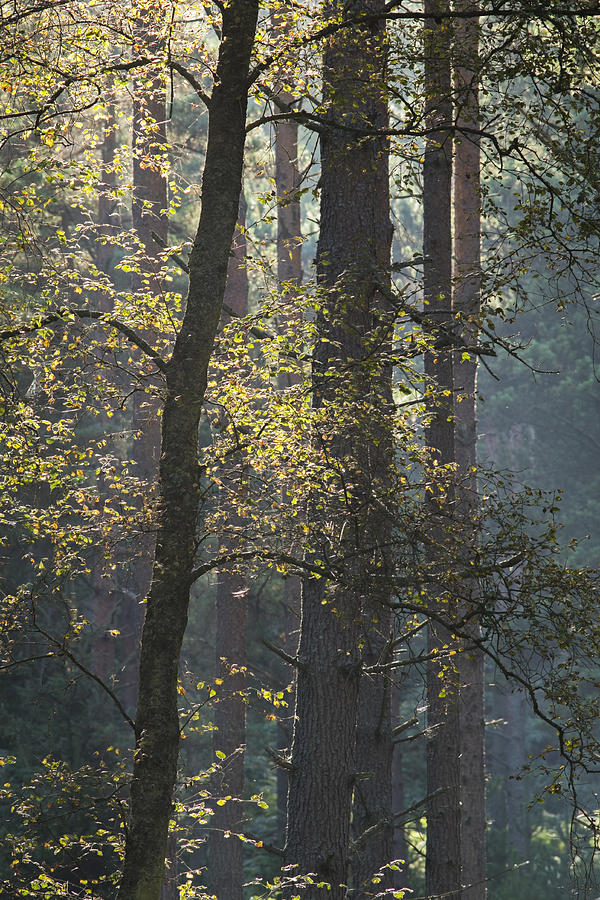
(372, 811)
(351, 400)
(157, 720)
(443, 764)
(225, 853)
(467, 307)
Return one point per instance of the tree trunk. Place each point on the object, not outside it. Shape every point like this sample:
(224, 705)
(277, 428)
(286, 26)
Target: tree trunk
(225, 853)
(157, 721)
(149, 205)
(289, 275)
(352, 400)
(372, 811)
(467, 305)
(514, 755)
(443, 764)
(105, 599)
(398, 806)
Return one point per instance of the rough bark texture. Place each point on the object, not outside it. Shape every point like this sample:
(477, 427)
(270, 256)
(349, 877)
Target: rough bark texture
(372, 821)
(443, 811)
(225, 853)
(467, 303)
(353, 252)
(157, 721)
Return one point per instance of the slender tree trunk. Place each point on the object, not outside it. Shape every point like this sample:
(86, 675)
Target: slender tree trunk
(149, 216)
(513, 757)
(398, 806)
(289, 275)
(157, 720)
(353, 400)
(443, 752)
(225, 853)
(467, 304)
(512, 739)
(107, 207)
(105, 595)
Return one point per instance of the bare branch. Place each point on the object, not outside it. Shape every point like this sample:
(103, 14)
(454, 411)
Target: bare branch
(62, 650)
(404, 726)
(192, 80)
(280, 760)
(62, 315)
(290, 660)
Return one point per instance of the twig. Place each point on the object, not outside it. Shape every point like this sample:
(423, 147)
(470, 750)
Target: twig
(367, 833)
(280, 760)
(191, 80)
(419, 803)
(290, 660)
(63, 651)
(405, 726)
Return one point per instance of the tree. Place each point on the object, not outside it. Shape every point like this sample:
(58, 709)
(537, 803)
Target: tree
(150, 223)
(225, 848)
(157, 718)
(443, 754)
(353, 254)
(467, 313)
(289, 276)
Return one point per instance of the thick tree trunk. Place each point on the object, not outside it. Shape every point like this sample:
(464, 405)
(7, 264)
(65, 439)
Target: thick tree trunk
(157, 721)
(372, 811)
(320, 783)
(467, 303)
(443, 752)
(354, 398)
(225, 853)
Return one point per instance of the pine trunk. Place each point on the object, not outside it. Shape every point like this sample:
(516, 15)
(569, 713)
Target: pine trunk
(467, 304)
(443, 751)
(354, 399)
